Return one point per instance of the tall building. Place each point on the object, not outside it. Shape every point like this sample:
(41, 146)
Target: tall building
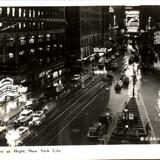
(32, 41)
(83, 33)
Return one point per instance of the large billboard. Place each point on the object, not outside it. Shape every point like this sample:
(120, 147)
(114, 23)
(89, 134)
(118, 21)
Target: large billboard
(132, 21)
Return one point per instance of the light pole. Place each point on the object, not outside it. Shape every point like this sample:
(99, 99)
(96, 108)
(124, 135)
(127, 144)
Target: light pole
(134, 80)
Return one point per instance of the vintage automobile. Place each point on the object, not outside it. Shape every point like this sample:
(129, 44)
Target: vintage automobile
(25, 116)
(16, 137)
(118, 85)
(125, 81)
(37, 118)
(105, 118)
(96, 131)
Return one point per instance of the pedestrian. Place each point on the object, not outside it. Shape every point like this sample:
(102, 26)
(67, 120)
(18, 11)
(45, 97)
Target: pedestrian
(147, 127)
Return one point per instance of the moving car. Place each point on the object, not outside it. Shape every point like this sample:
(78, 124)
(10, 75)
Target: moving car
(16, 137)
(32, 103)
(25, 116)
(105, 118)
(118, 84)
(125, 81)
(37, 118)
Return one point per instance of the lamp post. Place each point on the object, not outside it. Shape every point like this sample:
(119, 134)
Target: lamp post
(134, 81)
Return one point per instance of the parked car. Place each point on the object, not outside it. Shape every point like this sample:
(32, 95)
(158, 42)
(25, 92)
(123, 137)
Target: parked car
(25, 116)
(95, 131)
(37, 118)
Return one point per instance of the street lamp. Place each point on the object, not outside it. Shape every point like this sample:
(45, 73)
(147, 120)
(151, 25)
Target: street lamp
(134, 81)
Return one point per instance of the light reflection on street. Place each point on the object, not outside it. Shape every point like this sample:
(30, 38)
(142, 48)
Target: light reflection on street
(11, 108)
(130, 72)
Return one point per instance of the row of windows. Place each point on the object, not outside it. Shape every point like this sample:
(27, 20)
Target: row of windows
(31, 26)
(91, 40)
(90, 27)
(40, 58)
(32, 39)
(57, 12)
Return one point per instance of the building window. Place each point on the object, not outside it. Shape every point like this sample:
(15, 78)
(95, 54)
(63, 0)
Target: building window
(1, 24)
(42, 25)
(30, 13)
(34, 13)
(11, 55)
(55, 45)
(20, 12)
(21, 53)
(24, 25)
(1, 11)
(40, 48)
(48, 37)
(24, 13)
(48, 48)
(32, 39)
(8, 11)
(22, 40)
(32, 51)
(20, 25)
(13, 12)
(39, 13)
(40, 38)
(11, 41)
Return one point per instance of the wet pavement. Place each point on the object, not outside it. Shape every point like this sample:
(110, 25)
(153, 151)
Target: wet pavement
(12, 107)
(68, 124)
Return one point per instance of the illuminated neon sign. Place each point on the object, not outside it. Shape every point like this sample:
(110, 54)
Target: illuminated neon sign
(132, 21)
(7, 88)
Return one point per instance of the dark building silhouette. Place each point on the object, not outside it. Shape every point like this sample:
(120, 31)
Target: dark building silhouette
(32, 43)
(85, 28)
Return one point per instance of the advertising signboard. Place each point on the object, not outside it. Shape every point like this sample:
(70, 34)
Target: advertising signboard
(132, 21)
